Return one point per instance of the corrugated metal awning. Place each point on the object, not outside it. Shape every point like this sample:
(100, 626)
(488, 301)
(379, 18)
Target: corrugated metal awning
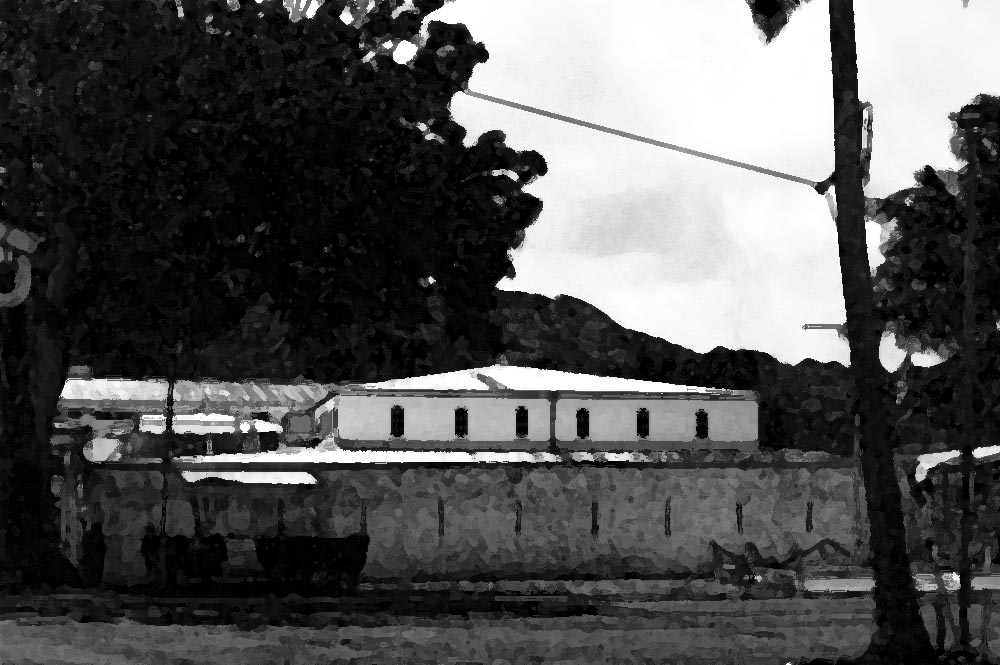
(189, 396)
(113, 394)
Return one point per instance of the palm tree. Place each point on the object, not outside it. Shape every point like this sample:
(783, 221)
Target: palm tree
(901, 633)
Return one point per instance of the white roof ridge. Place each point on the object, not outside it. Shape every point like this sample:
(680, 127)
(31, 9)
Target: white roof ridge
(499, 377)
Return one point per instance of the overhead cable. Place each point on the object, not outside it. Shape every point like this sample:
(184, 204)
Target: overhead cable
(642, 139)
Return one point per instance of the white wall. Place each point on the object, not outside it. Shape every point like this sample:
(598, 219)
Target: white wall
(432, 419)
(670, 420)
(429, 421)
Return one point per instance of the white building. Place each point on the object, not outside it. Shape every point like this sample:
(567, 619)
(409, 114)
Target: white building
(518, 408)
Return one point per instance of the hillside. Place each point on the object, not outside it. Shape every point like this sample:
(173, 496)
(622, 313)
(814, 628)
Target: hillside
(802, 406)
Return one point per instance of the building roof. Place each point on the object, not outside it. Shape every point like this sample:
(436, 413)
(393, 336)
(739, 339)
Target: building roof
(952, 458)
(252, 394)
(507, 377)
(126, 395)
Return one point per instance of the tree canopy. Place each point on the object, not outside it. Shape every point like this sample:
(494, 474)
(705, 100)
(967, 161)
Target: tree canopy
(221, 155)
(182, 167)
(918, 287)
(771, 16)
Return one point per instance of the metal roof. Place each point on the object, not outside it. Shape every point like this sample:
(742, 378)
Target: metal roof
(951, 458)
(508, 377)
(125, 395)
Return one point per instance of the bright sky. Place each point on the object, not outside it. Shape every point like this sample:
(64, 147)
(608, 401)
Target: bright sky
(700, 253)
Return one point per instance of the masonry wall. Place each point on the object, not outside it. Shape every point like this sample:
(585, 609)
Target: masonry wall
(504, 521)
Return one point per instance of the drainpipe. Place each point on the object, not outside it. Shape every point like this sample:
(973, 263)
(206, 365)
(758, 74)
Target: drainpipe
(553, 443)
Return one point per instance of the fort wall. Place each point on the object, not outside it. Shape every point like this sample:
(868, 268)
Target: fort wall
(476, 521)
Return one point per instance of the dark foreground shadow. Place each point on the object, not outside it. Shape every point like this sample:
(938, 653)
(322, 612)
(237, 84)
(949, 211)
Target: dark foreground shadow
(302, 564)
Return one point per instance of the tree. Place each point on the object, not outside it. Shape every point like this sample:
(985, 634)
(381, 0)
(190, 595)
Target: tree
(940, 253)
(182, 166)
(90, 138)
(900, 632)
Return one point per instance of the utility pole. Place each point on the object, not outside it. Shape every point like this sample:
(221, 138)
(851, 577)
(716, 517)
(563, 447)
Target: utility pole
(857, 478)
(968, 124)
(901, 628)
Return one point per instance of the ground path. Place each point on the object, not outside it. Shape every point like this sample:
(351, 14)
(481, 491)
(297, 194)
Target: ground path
(428, 626)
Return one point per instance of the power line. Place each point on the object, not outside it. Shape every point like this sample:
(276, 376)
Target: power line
(643, 139)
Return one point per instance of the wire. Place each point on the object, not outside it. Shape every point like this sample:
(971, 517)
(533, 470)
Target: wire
(643, 139)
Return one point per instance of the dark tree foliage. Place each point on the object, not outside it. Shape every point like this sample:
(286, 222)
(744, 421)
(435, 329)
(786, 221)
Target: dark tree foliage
(919, 286)
(938, 290)
(184, 167)
(771, 16)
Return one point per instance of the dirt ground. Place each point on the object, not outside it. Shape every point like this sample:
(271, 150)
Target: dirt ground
(723, 631)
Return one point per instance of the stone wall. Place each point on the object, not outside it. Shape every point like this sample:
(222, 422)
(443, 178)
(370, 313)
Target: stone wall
(507, 521)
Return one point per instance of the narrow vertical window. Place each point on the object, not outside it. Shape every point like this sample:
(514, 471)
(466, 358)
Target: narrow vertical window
(396, 421)
(440, 517)
(594, 526)
(701, 424)
(521, 422)
(582, 424)
(809, 517)
(642, 423)
(517, 517)
(666, 517)
(739, 518)
(461, 422)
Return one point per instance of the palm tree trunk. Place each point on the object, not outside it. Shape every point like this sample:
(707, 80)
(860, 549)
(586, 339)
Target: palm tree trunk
(900, 632)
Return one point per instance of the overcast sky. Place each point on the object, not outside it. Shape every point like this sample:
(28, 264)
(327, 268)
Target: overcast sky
(700, 253)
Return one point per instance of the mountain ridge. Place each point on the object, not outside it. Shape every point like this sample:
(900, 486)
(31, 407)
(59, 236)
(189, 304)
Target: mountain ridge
(802, 406)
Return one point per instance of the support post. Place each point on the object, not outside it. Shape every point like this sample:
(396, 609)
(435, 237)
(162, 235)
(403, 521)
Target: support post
(984, 624)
